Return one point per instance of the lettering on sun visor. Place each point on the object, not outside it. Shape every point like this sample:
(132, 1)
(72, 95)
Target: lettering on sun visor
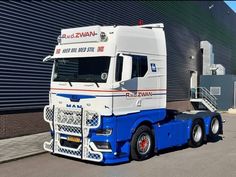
(79, 34)
(80, 50)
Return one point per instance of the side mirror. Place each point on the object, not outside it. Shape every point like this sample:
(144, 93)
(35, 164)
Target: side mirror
(127, 68)
(47, 58)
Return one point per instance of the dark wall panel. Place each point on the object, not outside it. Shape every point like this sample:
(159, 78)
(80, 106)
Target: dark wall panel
(225, 100)
(29, 30)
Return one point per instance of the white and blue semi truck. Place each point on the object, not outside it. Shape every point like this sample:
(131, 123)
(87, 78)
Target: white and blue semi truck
(107, 100)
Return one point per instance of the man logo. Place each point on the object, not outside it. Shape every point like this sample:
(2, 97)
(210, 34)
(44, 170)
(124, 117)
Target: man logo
(73, 106)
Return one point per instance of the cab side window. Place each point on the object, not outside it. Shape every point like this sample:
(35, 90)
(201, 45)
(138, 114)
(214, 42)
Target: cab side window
(139, 66)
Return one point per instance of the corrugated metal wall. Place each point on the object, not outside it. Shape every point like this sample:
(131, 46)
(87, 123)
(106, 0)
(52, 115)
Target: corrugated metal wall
(29, 29)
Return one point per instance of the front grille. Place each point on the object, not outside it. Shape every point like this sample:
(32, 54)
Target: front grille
(69, 144)
(68, 121)
(69, 117)
(69, 129)
(92, 122)
(94, 156)
(48, 113)
(69, 152)
(92, 119)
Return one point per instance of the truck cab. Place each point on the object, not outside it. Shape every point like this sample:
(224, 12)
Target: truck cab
(107, 82)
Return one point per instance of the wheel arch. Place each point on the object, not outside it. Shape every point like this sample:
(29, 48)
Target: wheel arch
(140, 122)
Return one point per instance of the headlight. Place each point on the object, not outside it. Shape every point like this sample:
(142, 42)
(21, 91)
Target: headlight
(105, 132)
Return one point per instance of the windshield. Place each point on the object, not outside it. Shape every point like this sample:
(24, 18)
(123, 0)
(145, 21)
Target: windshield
(89, 69)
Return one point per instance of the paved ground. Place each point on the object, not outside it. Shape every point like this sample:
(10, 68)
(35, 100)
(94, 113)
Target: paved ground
(14, 148)
(211, 160)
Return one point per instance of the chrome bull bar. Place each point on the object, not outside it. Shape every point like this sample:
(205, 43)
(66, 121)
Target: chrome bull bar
(74, 122)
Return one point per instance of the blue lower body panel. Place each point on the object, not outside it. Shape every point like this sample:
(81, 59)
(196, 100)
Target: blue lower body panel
(173, 133)
(168, 133)
(123, 128)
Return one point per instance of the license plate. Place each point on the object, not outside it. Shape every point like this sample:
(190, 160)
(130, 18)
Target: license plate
(74, 139)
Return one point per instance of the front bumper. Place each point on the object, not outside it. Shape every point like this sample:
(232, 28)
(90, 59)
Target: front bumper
(71, 152)
(77, 123)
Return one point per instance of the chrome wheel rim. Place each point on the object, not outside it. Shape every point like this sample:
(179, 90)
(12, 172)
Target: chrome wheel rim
(215, 125)
(143, 143)
(197, 133)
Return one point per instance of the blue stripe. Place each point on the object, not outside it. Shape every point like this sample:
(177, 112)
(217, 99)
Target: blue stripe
(76, 97)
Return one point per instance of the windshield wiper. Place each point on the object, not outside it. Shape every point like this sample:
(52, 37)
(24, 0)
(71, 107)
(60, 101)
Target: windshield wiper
(96, 84)
(70, 83)
(90, 80)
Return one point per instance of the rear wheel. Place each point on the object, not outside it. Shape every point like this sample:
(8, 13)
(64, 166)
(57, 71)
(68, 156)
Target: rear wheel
(214, 127)
(142, 143)
(196, 134)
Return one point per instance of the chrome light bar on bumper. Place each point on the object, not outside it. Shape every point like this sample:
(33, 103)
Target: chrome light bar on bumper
(66, 121)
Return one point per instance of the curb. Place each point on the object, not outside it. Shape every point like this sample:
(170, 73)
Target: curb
(22, 147)
(21, 157)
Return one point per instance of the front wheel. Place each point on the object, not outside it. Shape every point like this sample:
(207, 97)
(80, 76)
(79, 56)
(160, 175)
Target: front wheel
(196, 134)
(142, 143)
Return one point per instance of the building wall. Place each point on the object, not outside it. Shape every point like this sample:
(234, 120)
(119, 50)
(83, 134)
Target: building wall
(225, 83)
(29, 30)
(22, 123)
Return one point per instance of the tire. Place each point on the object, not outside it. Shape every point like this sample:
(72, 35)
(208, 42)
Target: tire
(142, 143)
(215, 126)
(196, 134)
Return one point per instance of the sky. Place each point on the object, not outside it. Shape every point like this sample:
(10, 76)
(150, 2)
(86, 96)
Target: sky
(231, 4)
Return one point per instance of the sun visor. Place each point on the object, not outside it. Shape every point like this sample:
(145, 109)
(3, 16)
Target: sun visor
(80, 35)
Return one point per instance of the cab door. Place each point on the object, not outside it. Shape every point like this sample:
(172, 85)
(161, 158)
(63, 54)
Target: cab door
(131, 86)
